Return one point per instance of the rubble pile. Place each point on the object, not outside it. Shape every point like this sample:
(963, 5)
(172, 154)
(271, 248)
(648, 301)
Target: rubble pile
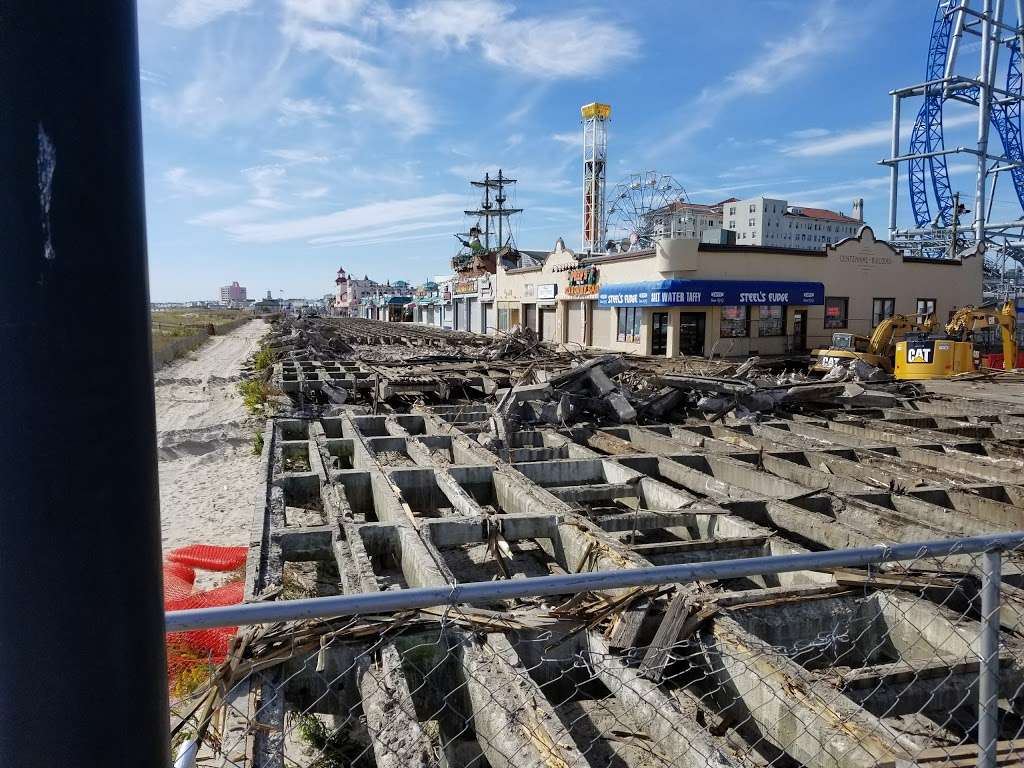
(305, 338)
(602, 389)
(520, 343)
(750, 391)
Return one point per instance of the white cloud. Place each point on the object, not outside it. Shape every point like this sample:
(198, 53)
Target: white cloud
(298, 155)
(183, 181)
(778, 63)
(235, 82)
(223, 217)
(546, 47)
(264, 179)
(327, 11)
(822, 143)
(189, 14)
(402, 106)
(809, 133)
(569, 138)
(350, 220)
(294, 111)
(379, 232)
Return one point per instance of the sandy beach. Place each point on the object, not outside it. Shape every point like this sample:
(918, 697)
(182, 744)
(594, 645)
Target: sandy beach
(204, 443)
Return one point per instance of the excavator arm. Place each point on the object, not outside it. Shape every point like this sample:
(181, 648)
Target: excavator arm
(966, 319)
(897, 326)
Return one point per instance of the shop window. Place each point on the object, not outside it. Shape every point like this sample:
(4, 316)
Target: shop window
(735, 322)
(925, 306)
(629, 325)
(836, 311)
(508, 315)
(882, 309)
(771, 320)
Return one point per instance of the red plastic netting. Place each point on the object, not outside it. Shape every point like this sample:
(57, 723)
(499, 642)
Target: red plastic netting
(178, 581)
(209, 557)
(191, 655)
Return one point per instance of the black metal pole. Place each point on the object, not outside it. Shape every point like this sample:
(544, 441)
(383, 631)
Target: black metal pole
(82, 669)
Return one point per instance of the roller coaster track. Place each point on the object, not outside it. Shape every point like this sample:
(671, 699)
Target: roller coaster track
(927, 135)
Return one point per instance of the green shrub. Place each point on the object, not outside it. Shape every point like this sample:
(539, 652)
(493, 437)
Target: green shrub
(255, 393)
(263, 359)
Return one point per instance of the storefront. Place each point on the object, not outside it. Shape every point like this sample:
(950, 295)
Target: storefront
(674, 316)
(703, 299)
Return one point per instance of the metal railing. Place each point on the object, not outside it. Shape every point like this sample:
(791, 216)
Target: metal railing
(887, 655)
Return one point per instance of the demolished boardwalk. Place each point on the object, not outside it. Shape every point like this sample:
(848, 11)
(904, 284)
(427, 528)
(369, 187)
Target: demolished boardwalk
(404, 456)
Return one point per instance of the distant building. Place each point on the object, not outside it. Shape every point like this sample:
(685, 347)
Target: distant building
(232, 294)
(689, 220)
(771, 222)
(349, 291)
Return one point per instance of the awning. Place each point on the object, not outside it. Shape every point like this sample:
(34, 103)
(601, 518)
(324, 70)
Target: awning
(399, 300)
(675, 293)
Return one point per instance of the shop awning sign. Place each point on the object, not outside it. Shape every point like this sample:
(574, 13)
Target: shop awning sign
(696, 293)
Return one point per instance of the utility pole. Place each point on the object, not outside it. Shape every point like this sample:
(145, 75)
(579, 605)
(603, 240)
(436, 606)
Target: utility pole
(83, 680)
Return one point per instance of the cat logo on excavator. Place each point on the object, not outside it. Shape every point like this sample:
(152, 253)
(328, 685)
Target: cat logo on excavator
(919, 354)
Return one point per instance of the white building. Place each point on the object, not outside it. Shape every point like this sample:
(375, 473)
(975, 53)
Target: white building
(765, 221)
(690, 220)
(349, 291)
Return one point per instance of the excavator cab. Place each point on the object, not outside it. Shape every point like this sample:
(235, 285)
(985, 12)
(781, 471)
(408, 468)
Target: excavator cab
(850, 342)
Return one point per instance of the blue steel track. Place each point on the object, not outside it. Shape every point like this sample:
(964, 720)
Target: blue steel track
(927, 135)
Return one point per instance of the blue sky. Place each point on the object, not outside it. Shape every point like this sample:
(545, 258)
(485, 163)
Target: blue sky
(284, 138)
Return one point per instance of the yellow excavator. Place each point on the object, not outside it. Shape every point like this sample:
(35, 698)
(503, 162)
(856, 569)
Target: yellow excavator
(878, 350)
(940, 358)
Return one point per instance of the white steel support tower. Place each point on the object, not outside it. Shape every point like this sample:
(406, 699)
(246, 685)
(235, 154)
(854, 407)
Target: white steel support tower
(595, 162)
(994, 92)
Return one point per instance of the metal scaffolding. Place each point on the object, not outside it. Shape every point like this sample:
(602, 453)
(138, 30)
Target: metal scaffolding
(937, 231)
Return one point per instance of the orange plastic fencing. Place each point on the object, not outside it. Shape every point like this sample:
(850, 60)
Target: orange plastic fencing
(191, 655)
(178, 581)
(208, 557)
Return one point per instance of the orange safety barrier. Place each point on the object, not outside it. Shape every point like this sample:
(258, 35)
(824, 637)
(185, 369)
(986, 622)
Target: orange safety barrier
(208, 557)
(191, 654)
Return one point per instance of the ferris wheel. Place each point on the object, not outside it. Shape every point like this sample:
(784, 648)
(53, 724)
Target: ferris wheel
(642, 208)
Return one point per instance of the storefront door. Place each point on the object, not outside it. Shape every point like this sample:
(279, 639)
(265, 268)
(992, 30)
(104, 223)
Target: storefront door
(691, 333)
(530, 316)
(546, 323)
(659, 333)
(799, 330)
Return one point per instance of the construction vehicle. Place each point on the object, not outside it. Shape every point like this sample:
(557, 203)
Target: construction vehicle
(940, 358)
(879, 350)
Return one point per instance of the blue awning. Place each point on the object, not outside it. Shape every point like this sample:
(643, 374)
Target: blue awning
(676, 293)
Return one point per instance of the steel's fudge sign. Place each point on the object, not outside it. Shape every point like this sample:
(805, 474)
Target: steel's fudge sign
(673, 293)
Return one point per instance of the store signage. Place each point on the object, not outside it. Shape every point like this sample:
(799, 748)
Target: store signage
(671, 293)
(547, 291)
(465, 286)
(583, 282)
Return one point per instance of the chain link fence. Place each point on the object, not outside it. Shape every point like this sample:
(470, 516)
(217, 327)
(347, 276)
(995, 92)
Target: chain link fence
(910, 655)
